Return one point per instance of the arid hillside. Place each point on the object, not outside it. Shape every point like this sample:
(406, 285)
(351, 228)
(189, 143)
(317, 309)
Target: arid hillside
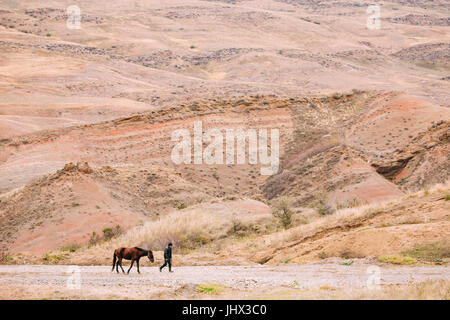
(87, 118)
(333, 151)
(136, 56)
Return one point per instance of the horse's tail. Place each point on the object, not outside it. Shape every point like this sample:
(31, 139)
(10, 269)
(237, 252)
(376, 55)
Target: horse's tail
(114, 261)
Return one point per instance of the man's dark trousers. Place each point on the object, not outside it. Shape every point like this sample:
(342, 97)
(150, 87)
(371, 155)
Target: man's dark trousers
(167, 262)
(167, 258)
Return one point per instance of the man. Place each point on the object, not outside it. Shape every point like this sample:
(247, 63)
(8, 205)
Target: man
(167, 257)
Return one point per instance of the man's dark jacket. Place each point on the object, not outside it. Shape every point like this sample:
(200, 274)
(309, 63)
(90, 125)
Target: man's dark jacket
(168, 253)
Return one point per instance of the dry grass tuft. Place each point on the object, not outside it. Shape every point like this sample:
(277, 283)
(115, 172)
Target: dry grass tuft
(188, 229)
(430, 252)
(397, 259)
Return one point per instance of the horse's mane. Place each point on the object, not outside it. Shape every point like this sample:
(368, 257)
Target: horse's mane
(140, 249)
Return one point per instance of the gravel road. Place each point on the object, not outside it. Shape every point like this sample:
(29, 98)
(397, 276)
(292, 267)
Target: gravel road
(237, 277)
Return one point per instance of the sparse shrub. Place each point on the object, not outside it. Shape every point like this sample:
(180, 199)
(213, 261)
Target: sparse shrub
(53, 258)
(396, 259)
(94, 239)
(5, 258)
(323, 255)
(349, 254)
(179, 204)
(109, 233)
(214, 173)
(383, 225)
(236, 228)
(337, 95)
(285, 261)
(321, 205)
(71, 248)
(352, 203)
(447, 197)
(325, 209)
(299, 219)
(431, 252)
(258, 197)
(282, 210)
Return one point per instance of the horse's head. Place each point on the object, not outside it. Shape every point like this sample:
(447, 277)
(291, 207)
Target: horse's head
(150, 256)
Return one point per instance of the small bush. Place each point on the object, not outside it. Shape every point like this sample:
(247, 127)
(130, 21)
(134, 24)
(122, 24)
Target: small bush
(282, 211)
(324, 209)
(214, 174)
(109, 233)
(179, 204)
(237, 228)
(431, 252)
(349, 254)
(71, 248)
(94, 239)
(396, 259)
(447, 197)
(54, 258)
(352, 203)
(320, 204)
(4, 257)
(285, 261)
(258, 197)
(337, 95)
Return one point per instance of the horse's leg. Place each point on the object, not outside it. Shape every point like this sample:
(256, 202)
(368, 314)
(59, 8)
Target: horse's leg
(117, 265)
(114, 262)
(120, 261)
(137, 263)
(132, 261)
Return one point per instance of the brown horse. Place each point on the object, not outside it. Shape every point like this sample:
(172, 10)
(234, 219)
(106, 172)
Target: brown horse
(133, 254)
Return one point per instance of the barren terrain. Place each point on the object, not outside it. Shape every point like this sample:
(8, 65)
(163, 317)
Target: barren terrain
(86, 123)
(54, 282)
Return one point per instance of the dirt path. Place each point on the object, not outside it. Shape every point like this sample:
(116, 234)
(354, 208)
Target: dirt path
(99, 282)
